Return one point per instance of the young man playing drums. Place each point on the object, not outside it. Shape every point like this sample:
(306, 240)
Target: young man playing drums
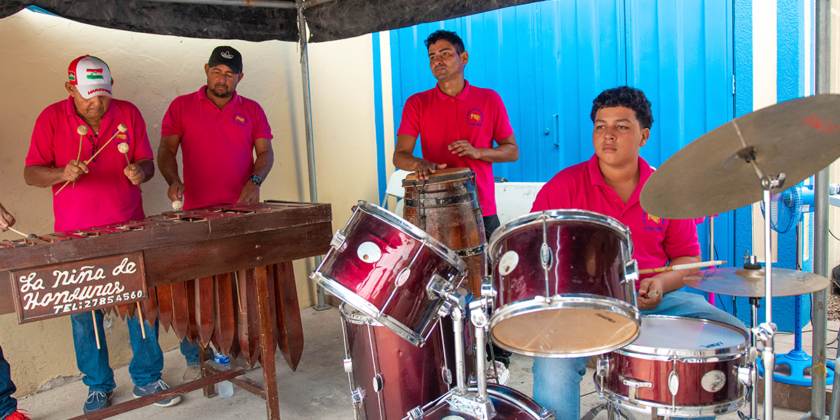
(610, 183)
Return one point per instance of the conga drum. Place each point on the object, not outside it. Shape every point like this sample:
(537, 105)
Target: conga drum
(446, 207)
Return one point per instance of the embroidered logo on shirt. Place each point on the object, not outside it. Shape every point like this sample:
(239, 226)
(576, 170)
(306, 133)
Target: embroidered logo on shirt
(652, 222)
(240, 119)
(475, 117)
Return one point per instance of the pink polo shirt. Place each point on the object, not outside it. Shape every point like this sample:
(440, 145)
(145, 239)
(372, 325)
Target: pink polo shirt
(218, 145)
(104, 195)
(476, 115)
(655, 241)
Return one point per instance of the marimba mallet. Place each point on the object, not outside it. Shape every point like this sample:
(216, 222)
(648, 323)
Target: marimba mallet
(30, 236)
(123, 148)
(681, 267)
(82, 130)
(120, 129)
(177, 205)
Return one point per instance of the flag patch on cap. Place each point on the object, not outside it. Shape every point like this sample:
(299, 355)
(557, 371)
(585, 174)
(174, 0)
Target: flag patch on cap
(93, 74)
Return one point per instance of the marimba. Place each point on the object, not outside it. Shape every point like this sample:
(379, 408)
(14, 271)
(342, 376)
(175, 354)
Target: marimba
(220, 274)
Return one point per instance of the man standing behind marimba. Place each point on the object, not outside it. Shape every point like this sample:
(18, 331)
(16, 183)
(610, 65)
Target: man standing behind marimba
(8, 405)
(105, 191)
(219, 132)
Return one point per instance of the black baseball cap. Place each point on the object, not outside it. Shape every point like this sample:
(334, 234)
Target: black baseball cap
(228, 56)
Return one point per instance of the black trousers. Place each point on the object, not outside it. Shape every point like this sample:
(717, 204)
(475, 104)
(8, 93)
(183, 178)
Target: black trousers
(491, 223)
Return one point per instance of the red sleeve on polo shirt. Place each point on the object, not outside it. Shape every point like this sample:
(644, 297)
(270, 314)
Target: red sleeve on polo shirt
(501, 127)
(41, 152)
(410, 122)
(681, 239)
(261, 128)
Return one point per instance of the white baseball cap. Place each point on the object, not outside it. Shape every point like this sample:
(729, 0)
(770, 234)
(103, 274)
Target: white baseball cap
(91, 76)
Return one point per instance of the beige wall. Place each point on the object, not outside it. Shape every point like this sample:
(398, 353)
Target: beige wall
(150, 71)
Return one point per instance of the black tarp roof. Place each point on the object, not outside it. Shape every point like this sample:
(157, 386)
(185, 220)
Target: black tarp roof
(327, 22)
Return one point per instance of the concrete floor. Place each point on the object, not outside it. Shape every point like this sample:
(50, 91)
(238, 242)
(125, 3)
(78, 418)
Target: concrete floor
(318, 390)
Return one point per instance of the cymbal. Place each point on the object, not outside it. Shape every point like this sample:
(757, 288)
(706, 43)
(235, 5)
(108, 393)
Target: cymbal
(738, 281)
(798, 138)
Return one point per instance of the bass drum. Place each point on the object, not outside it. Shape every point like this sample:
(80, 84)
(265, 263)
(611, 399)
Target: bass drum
(509, 404)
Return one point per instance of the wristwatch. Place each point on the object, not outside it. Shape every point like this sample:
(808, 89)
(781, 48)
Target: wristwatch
(256, 179)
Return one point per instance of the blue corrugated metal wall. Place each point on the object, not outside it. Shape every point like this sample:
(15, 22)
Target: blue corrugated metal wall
(549, 60)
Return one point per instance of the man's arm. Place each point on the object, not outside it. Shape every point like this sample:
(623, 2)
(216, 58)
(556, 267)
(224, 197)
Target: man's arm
(6, 219)
(405, 160)
(45, 176)
(664, 282)
(168, 165)
(262, 166)
(506, 151)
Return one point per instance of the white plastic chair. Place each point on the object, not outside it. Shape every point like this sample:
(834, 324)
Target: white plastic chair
(395, 189)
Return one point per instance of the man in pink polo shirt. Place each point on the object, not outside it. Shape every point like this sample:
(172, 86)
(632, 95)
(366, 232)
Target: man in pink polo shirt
(457, 124)
(219, 132)
(105, 192)
(610, 183)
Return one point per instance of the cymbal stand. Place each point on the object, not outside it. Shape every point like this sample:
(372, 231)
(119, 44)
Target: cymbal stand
(767, 329)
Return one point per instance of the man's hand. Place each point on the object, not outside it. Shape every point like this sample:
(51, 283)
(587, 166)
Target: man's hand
(425, 168)
(250, 193)
(134, 174)
(650, 293)
(6, 219)
(464, 148)
(74, 169)
(176, 191)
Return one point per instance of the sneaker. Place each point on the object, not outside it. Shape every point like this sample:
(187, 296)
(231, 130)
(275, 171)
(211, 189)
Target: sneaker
(504, 373)
(192, 373)
(97, 400)
(18, 415)
(142, 391)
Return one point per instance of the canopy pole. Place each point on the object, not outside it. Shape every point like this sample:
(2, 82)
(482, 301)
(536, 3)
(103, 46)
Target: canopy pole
(822, 65)
(321, 304)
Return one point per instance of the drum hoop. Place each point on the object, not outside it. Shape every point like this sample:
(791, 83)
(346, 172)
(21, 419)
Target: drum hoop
(403, 225)
(643, 406)
(689, 356)
(469, 173)
(357, 319)
(566, 214)
(577, 300)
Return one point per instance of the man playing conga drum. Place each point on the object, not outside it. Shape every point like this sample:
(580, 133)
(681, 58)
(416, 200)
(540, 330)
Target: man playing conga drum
(105, 191)
(219, 132)
(457, 124)
(610, 183)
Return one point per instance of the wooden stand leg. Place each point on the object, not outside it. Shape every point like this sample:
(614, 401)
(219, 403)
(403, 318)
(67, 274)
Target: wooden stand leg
(209, 390)
(267, 344)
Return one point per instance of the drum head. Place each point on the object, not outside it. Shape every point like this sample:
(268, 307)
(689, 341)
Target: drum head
(565, 326)
(687, 337)
(440, 175)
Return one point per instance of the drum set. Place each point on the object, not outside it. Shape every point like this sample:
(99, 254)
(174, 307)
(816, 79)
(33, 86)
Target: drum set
(561, 284)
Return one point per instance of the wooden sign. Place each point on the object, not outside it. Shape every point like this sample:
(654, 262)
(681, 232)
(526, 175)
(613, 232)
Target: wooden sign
(79, 286)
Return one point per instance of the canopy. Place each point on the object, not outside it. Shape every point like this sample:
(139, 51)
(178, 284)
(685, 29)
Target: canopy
(254, 20)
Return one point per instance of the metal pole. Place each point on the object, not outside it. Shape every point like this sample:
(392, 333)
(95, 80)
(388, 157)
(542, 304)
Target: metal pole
(768, 357)
(822, 65)
(321, 305)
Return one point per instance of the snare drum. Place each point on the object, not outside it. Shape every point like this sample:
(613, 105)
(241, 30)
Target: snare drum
(446, 206)
(680, 367)
(509, 404)
(564, 284)
(385, 267)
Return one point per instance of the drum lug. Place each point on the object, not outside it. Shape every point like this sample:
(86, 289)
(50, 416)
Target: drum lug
(603, 367)
(447, 375)
(416, 413)
(545, 256)
(487, 289)
(631, 272)
(348, 365)
(378, 383)
(673, 382)
(357, 395)
(745, 375)
(338, 239)
(633, 385)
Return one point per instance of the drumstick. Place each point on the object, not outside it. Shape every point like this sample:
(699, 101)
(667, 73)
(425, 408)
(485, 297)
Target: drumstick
(120, 129)
(681, 267)
(82, 130)
(95, 330)
(140, 315)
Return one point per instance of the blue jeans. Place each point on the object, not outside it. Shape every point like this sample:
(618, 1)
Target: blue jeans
(557, 381)
(190, 352)
(8, 405)
(145, 365)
